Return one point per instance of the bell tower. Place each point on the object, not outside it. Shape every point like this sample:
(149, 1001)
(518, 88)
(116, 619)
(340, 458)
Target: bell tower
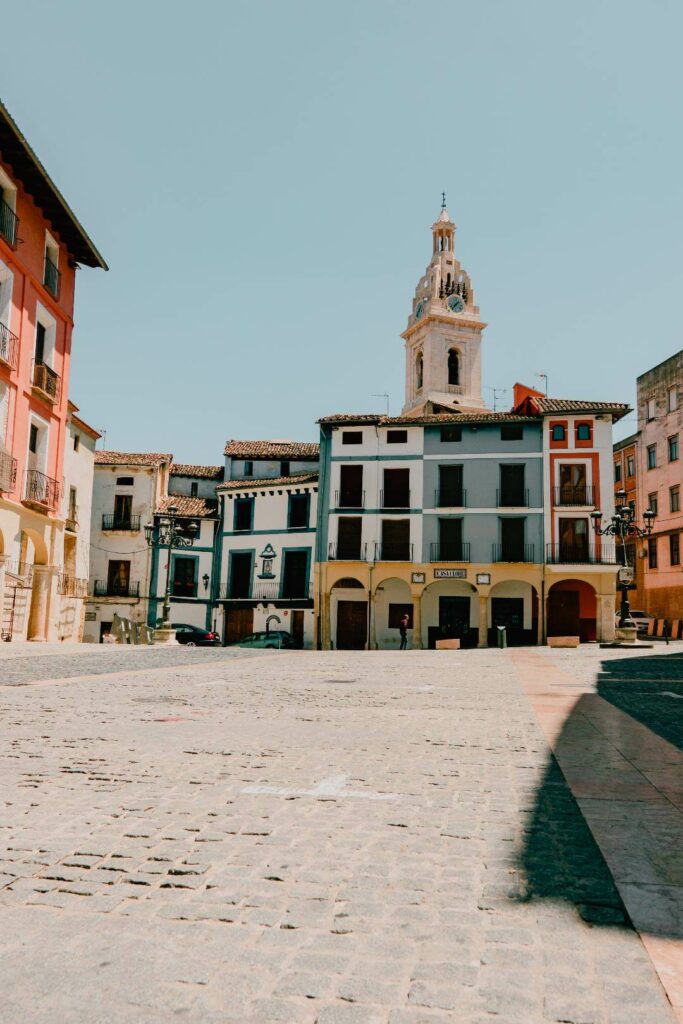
(443, 336)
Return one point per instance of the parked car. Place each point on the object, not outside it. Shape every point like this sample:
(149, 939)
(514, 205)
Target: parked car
(195, 636)
(640, 618)
(275, 640)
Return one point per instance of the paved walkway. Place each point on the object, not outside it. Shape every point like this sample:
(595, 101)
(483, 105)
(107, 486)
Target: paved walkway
(336, 838)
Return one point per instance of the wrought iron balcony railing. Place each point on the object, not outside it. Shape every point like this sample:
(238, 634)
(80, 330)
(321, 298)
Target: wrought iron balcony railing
(513, 553)
(41, 490)
(573, 494)
(450, 497)
(449, 551)
(394, 551)
(72, 586)
(51, 278)
(112, 521)
(46, 380)
(9, 223)
(394, 499)
(512, 497)
(580, 554)
(8, 472)
(71, 520)
(125, 588)
(9, 348)
(345, 551)
(349, 499)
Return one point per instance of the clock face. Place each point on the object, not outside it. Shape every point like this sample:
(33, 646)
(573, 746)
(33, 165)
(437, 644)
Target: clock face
(419, 309)
(455, 304)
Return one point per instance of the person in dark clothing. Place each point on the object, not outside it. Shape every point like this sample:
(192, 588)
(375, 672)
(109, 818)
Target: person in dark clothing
(403, 630)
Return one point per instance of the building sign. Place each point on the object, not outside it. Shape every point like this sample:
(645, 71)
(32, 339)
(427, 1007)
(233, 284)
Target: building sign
(450, 574)
(626, 574)
(484, 578)
(91, 616)
(417, 577)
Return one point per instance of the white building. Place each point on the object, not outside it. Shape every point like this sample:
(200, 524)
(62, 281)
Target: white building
(268, 508)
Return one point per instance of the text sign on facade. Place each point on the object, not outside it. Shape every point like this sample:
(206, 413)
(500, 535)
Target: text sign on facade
(450, 574)
(417, 577)
(484, 578)
(91, 616)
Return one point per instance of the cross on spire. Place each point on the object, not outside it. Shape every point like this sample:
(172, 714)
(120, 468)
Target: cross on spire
(443, 200)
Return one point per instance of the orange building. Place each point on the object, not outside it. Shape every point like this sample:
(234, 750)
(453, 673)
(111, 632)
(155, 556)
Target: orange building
(41, 246)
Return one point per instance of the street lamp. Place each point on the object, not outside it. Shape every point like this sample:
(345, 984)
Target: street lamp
(169, 533)
(623, 526)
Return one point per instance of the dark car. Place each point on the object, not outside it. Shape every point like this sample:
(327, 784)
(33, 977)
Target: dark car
(195, 636)
(275, 639)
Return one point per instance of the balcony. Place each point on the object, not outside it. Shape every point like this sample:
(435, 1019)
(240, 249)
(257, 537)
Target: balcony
(580, 554)
(513, 553)
(40, 491)
(9, 348)
(127, 524)
(395, 551)
(394, 499)
(455, 389)
(349, 499)
(71, 520)
(512, 497)
(573, 494)
(46, 382)
(9, 224)
(72, 586)
(269, 591)
(127, 588)
(345, 551)
(8, 473)
(450, 497)
(451, 551)
(51, 278)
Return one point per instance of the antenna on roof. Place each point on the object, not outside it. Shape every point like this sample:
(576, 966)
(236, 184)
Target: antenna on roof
(543, 376)
(103, 432)
(384, 395)
(497, 392)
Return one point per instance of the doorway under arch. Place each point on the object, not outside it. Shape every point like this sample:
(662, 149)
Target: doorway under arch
(450, 611)
(572, 610)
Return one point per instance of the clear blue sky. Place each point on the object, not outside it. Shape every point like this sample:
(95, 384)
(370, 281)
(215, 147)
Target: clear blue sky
(261, 178)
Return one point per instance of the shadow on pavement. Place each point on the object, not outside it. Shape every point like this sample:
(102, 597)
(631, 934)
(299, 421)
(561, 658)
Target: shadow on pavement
(648, 689)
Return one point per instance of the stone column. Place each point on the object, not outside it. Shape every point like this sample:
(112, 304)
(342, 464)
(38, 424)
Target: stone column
(40, 602)
(417, 621)
(605, 618)
(483, 621)
(372, 613)
(325, 628)
(2, 587)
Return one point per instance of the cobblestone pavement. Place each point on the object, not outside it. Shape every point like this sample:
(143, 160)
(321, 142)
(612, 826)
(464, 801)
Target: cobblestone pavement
(305, 838)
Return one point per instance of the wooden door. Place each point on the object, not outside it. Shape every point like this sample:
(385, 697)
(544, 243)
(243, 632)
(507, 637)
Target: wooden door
(563, 613)
(350, 486)
(239, 622)
(298, 626)
(352, 625)
(454, 617)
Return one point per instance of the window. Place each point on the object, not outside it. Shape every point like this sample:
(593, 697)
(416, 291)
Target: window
(184, 576)
(632, 508)
(652, 456)
(123, 509)
(617, 472)
(77, 442)
(194, 488)
(650, 409)
(39, 354)
(349, 533)
(8, 203)
(675, 499)
(511, 432)
(297, 518)
(51, 271)
(451, 434)
(33, 439)
(453, 367)
(397, 436)
(396, 613)
(71, 514)
(124, 481)
(284, 468)
(512, 492)
(630, 465)
(675, 549)
(350, 494)
(672, 399)
(118, 578)
(248, 468)
(396, 488)
(673, 448)
(652, 552)
(652, 502)
(244, 514)
(395, 545)
(583, 431)
(352, 436)
(559, 432)
(419, 371)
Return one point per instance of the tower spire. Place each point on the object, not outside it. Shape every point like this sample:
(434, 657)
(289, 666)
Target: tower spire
(443, 200)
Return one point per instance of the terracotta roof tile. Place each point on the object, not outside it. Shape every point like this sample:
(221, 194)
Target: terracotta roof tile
(546, 405)
(104, 458)
(264, 482)
(300, 450)
(201, 472)
(193, 508)
(429, 419)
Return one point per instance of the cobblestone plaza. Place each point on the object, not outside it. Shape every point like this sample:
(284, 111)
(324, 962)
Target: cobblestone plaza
(341, 838)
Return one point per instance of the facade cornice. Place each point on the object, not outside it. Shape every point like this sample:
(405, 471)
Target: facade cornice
(468, 322)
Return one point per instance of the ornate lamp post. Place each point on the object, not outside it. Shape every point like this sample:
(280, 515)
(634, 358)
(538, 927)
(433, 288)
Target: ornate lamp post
(168, 533)
(624, 527)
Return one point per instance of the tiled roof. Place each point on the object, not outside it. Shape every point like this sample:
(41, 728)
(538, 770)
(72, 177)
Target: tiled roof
(428, 419)
(265, 482)
(85, 427)
(104, 458)
(201, 472)
(193, 508)
(300, 450)
(626, 441)
(546, 405)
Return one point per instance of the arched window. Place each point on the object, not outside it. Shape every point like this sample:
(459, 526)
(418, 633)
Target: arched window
(453, 367)
(418, 371)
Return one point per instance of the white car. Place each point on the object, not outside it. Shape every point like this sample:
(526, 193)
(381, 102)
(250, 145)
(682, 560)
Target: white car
(640, 618)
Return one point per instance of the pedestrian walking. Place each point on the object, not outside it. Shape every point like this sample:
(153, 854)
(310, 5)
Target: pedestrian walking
(403, 630)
